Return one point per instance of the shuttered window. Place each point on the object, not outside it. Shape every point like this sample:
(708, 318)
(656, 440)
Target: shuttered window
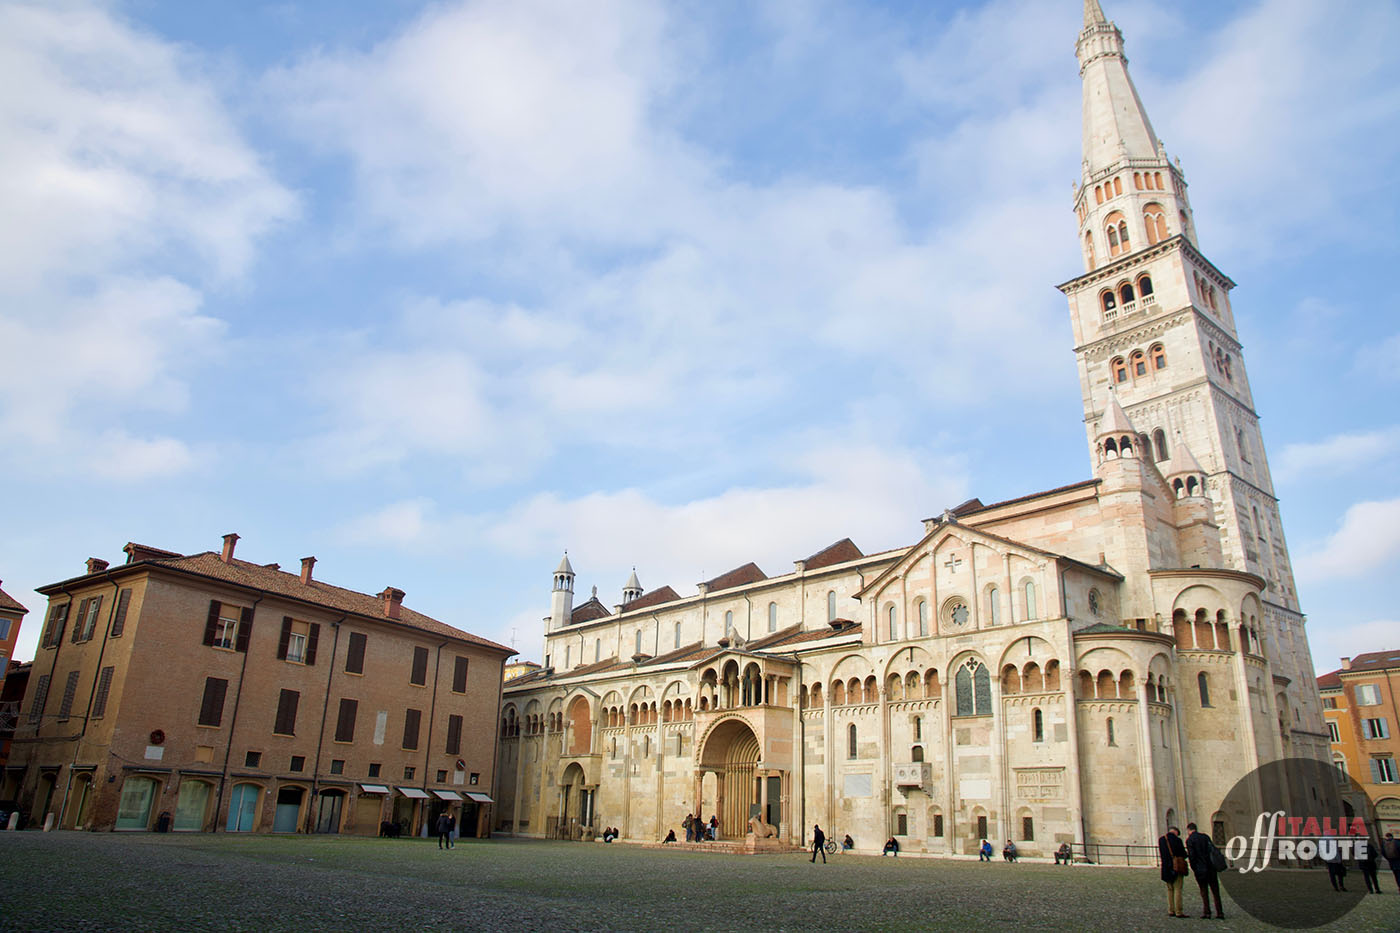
(104, 687)
(419, 674)
(298, 641)
(345, 721)
(459, 675)
(70, 689)
(411, 719)
(41, 696)
(78, 619)
(228, 626)
(89, 625)
(211, 710)
(287, 703)
(454, 735)
(119, 619)
(355, 655)
(53, 632)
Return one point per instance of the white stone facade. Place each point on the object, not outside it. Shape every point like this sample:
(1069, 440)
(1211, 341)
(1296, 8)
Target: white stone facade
(1080, 665)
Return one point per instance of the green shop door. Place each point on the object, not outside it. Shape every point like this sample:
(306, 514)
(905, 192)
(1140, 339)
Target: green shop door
(134, 810)
(242, 808)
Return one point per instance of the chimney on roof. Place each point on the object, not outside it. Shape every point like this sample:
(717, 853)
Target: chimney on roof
(393, 602)
(1346, 664)
(96, 565)
(306, 564)
(230, 541)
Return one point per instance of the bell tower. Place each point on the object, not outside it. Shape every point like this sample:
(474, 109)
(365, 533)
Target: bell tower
(1153, 323)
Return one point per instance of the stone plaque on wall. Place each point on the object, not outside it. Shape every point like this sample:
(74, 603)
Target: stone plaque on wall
(858, 785)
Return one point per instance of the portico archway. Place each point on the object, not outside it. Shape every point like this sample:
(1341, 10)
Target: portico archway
(732, 752)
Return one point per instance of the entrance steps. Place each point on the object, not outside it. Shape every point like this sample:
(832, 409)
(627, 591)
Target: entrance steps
(724, 847)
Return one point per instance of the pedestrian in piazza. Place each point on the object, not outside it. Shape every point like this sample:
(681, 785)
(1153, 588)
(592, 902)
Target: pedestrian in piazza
(1202, 860)
(1172, 854)
(818, 844)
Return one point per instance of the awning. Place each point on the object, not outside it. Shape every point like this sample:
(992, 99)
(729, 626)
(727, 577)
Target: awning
(373, 789)
(447, 795)
(479, 798)
(413, 792)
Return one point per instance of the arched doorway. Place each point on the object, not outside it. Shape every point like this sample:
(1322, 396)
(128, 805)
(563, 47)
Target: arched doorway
(134, 807)
(732, 752)
(575, 803)
(192, 805)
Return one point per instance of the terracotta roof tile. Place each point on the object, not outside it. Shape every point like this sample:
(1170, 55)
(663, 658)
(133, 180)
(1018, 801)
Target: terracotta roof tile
(739, 576)
(685, 653)
(259, 577)
(799, 637)
(837, 553)
(593, 668)
(1373, 661)
(655, 598)
(10, 603)
(590, 611)
(1332, 681)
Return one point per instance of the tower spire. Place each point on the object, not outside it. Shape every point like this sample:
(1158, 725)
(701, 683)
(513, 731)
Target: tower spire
(1115, 122)
(1093, 13)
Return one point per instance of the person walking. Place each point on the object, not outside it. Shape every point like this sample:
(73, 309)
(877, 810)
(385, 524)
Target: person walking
(1367, 862)
(444, 831)
(714, 827)
(1202, 861)
(1172, 854)
(1390, 851)
(818, 843)
(1336, 868)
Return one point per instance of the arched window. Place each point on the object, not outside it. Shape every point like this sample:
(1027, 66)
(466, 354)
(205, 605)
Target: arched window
(638, 641)
(1030, 599)
(1037, 725)
(597, 649)
(1203, 685)
(1137, 180)
(646, 746)
(1157, 177)
(923, 618)
(1117, 186)
(1138, 360)
(894, 623)
(1155, 220)
(918, 729)
(1125, 292)
(1144, 286)
(831, 605)
(568, 649)
(678, 634)
(993, 605)
(1089, 248)
(1120, 369)
(1109, 300)
(1111, 739)
(1116, 229)
(851, 741)
(772, 617)
(728, 622)
(1098, 194)
(1159, 356)
(917, 753)
(973, 687)
(1159, 444)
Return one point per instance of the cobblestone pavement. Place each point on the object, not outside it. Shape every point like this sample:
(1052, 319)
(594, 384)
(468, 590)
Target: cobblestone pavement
(107, 881)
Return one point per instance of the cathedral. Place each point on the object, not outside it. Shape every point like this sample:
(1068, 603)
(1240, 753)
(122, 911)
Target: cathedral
(1086, 664)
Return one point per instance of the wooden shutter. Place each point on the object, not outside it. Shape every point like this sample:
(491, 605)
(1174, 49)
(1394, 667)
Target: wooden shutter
(211, 627)
(211, 711)
(287, 702)
(77, 635)
(94, 611)
(286, 637)
(57, 632)
(1375, 764)
(119, 619)
(41, 697)
(355, 654)
(104, 687)
(419, 674)
(411, 719)
(345, 720)
(454, 735)
(70, 689)
(311, 639)
(245, 630)
(459, 675)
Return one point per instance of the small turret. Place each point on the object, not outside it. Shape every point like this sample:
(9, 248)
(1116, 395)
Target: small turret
(1116, 436)
(562, 601)
(632, 588)
(1183, 473)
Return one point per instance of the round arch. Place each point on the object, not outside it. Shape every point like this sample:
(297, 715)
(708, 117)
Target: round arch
(731, 750)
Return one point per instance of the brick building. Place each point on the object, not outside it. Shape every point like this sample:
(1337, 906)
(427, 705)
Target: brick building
(1361, 702)
(212, 693)
(12, 615)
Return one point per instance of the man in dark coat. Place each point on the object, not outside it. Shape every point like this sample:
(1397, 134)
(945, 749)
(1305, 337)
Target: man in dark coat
(1198, 846)
(1170, 849)
(818, 843)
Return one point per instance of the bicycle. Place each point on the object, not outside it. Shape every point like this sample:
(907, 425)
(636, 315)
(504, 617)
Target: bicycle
(833, 847)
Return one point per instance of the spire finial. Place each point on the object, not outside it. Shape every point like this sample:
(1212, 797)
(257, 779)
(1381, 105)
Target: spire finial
(1093, 13)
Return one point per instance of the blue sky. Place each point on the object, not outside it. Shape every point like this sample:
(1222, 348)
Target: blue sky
(435, 291)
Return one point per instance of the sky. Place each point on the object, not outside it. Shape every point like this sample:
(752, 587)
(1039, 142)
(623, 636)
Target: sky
(435, 291)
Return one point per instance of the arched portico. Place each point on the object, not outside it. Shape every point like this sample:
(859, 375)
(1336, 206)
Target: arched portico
(575, 802)
(732, 752)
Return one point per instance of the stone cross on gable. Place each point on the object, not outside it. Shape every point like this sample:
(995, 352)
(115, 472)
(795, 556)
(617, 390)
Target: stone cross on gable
(952, 562)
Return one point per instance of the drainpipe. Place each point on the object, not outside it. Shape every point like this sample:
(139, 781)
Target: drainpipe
(748, 621)
(432, 711)
(87, 714)
(801, 782)
(496, 748)
(325, 706)
(233, 719)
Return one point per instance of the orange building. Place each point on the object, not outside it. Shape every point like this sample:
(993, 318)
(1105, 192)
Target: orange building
(1361, 702)
(204, 692)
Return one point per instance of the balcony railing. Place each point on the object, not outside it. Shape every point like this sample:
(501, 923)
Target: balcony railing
(913, 774)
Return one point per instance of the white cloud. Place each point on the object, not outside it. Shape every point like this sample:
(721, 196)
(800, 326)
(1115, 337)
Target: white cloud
(118, 157)
(1334, 640)
(1340, 453)
(1369, 537)
(399, 523)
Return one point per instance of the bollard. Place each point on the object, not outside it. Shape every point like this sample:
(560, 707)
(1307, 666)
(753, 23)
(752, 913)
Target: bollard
(48, 821)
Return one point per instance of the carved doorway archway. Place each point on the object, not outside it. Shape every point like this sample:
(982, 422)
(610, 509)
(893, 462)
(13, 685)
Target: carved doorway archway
(732, 752)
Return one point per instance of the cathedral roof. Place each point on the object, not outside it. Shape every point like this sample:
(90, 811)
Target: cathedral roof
(655, 598)
(590, 611)
(837, 553)
(739, 576)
